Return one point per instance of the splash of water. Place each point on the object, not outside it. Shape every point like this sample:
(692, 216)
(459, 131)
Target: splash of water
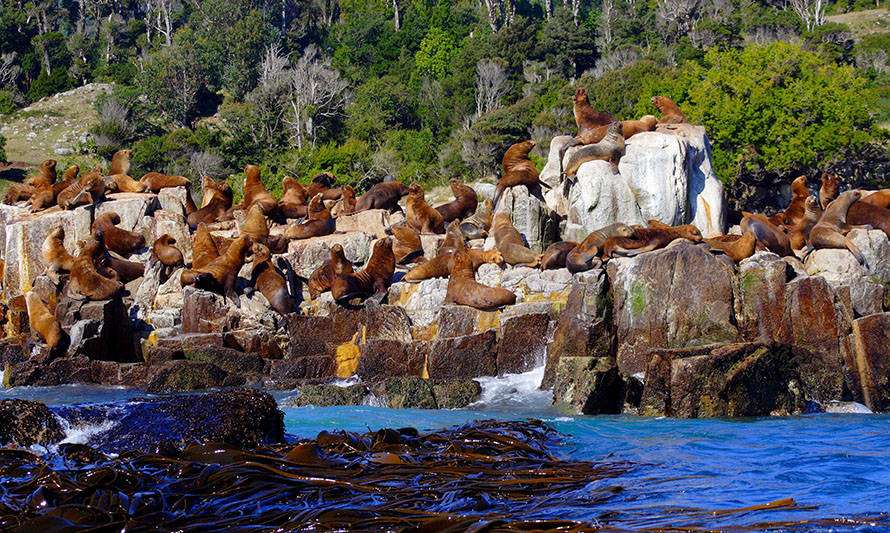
(514, 392)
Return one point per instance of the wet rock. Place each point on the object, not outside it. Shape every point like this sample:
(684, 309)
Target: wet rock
(462, 320)
(456, 394)
(185, 376)
(308, 335)
(316, 368)
(760, 301)
(11, 351)
(259, 341)
(523, 343)
(464, 357)
(229, 360)
(382, 358)
(871, 341)
(589, 385)
(410, 392)
(24, 422)
(329, 395)
(65, 371)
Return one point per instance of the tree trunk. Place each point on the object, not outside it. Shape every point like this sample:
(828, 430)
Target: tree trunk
(395, 8)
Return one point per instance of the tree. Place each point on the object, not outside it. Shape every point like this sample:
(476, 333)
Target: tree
(171, 79)
(317, 94)
(811, 12)
(435, 54)
(492, 85)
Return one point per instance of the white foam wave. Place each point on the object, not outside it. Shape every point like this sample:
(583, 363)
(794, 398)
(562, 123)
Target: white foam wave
(514, 391)
(847, 408)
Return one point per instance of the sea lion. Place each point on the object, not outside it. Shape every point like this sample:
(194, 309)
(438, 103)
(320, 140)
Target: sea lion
(509, 241)
(266, 279)
(70, 173)
(477, 225)
(829, 189)
(880, 198)
(832, 228)
(799, 194)
(454, 239)
(384, 195)
(800, 232)
(215, 204)
(155, 181)
(220, 274)
(257, 227)
(632, 127)
(407, 246)
(586, 117)
(170, 256)
(205, 249)
(463, 289)
(608, 149)
(213, 189)
(335, 265)
(256, 193)
(670, 113)
(519, 170)
(862, 213)
(86, 278)
(440, 266)
(648, 239)
(117, 239)
(42, 321)
(768, 234)
(737, 247)
(125, 271)
(18, 192)
(318, 222)
(88, 190)
(555, 255)
(46, 174)
(463, 205)
(373, 280)
(54, 253)
(119, 172)
(419, 215)
(293, 203)
(323, 184)
(42, 198)
(582, 257)
(346, 204)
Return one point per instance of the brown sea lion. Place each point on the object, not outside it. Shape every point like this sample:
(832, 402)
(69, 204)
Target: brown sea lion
(117, 239)
(373, 280)
(463, 205)
(648, 239)
(384, 195)
(346, 204)
(318, 222)
(880, 198)
(88, 190)
(454, 239)
(632, 127)
(832, 228)
(42, 321)
(18, 192)
(440, 266)
(323, 184)
(213, 189)
(335, 265)
(205, 250)
(155, 181)
(737, 247)
(170, 256)
(509, 241)
(419, 215)
(583, 257)
(670, 113)
(86, 278)
(829, 189)
(477, 225)
(463, 289)
(767, 234)
(42, 198)
(125, 271)
(256, 193)
(119, 172)
(585, 117)
(215, 204)
(257, 227)
(799, 194)
(519, 170)
(54, 253)
(800, 232)
(555, 254)
(266, 279)
(45, 176)
(865, 214)
(294, 202)
(220, 274)
(407, 246)
(609, 149)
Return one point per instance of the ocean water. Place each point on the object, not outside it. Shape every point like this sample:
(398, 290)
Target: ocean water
(834, 466)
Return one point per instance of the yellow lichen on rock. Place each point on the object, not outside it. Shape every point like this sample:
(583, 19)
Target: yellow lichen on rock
(348, 355)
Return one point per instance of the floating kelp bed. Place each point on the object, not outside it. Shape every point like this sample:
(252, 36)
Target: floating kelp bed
(484, 476)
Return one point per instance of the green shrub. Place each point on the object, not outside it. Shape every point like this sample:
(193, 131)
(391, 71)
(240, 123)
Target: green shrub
(49, 84)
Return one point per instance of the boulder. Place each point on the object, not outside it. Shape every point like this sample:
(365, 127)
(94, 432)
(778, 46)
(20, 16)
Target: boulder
(760, 298)
(422, 300)
(314, 368)
(410, 392)
(173, 200)
(306, 255)
(589, 385)
(185, 376)
(205, 312)
(65, 371)
(169, 294)
(461, 320)
(871, 342)
(532, 218)
(523, 343)
(25, 422)
(463, 357)
(308, 335)
(841, 269)
(229, 360)
(373, 221)
(133, 208)
(173, 224)
(329, 395)
(456, 394)
(383, 358)
(100, 330)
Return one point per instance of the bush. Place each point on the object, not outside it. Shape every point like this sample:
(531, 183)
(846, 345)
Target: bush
(2, 148)
(48, 84)
(7, 102)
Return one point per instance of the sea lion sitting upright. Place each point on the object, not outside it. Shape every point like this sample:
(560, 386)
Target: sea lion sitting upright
(85, 276)
(213, 189)
(45, 176)
(829, 189)
(632, 127)
(119, 172)
(269, 282)
(555, 254)
(737, 247)
(373, 280)
(463, 205)
(216, 202)
(768, 234)
(293, 202)
(519, 170)
(509, 242)
(477, 225)
(256, 193)
(463, 289)
(800, 232)
(42, 321)
(69, 178)
(220, 274)
(407, 247)
(384, 195)
(205, 249)
(117, 239)
(54, 253)
(346, 204)
(581, 259)
(335, 265)
(318, 222)
(799, 194)
(670, 113)
(609, 149)
(155, 181)
(832, 228)
(170, 256)
(586, 118)
(419, 215)
(648, 239)
(454, 239)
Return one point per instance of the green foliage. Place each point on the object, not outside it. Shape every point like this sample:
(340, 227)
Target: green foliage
(435, 54)
(2, 148)
(49, 84)
(7, 102)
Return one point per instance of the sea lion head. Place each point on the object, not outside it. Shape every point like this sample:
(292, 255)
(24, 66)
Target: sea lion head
(113, 217)
(316, 204)
(57, 234)
(325, 178)
(252, 173)
(122, 154)
(688, 231)
(49, 165)
(415, 191)
(383, 245)
(166, 239)
(98, 236)
(580, 95)
(348, 192)
(828, 180)
(260, 252)
(658, 101)
(811, 205)
(799, 186)
(71, 173)
(615, 128)
(494, 256)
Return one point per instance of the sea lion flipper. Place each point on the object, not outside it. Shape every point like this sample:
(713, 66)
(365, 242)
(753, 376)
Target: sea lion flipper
(855, 251)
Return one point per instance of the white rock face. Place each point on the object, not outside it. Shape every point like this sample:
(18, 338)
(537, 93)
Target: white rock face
(664, 175)
(531, 218)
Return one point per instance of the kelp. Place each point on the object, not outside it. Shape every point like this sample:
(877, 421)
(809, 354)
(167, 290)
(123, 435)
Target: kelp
(486, 476)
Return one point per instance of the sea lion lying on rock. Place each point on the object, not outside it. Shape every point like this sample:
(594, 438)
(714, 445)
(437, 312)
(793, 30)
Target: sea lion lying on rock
(293, 203)
(384, 195)
(767, 234)
(648, 239)
(463, 205)
(335, 265)
(519, 170)
(862, 213)
(584, 256)
(610, 148)
(88, 190)
(670, 113)
(318, 222)
(117, 239)
(555, 254)
(373, 280)
(631, 127)
(463, 289)
(440, 266)
(407, 246)
(832, 228)
(155, 181)
(119, 173)
(215, 204)
(477, 225)
(737, 247)
(346, 204)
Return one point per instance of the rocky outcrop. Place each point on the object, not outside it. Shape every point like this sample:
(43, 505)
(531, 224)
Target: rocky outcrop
(24, 422)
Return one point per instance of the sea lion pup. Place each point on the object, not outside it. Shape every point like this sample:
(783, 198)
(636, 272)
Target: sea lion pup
(54, 253)
(219, 274)
(632, 127)
(384, 195)
(266, 279)
(335, 265)
(155, 181)
(318, 222)
(407, 246)
(670, 113)
(88, 190)
(800, 232)
(346, 204)
(608, 149)
(440, 266)
(829, 189)
(584, 256)
(86, 278)
(463, 205)
(293, 202)
(256, 193)
(46, 175)
(18, 192)
(865, 214)
(463, 289)
(164, 251)
(737, 247)
(117, 239)
(509, 242)
(42, 321)
(767, 234)
(373, 280)
(832, 228)
(205, 249)
(799, 194)
(648, 239)
(555, 255)
(420, 216)
(476, 226)
(519, 170)
(119, 172)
